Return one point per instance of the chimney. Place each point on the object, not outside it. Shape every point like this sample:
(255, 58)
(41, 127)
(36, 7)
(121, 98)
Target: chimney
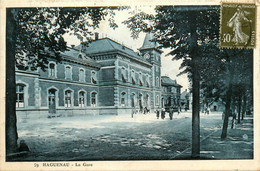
(83, 46)
(96, 35)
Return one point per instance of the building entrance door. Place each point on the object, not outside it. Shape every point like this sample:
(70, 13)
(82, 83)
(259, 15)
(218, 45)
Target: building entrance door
(52, 101)
(162, 102)
(140, 102)
(133, 100)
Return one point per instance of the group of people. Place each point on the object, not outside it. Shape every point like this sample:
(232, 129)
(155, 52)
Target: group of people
(159, 112)
(206, 111)
(142, 110)
(163, 111)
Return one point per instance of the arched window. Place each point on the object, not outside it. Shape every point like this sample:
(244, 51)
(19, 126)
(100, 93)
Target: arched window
(20, 95)
(169, 101)
(123, 74)
(52, 70)
(147, 81)
(157, 82)
(174, 90)
(81, 75)
(82, 99)
(140, 79)
(68, 98)
(133, 76)
(52, 100)
(157, 68)
(93, 99)
(68, 72)
(146, 101)
(123, 101)
(157, 100)
(133, 100)
(140, 101)
(94, 77)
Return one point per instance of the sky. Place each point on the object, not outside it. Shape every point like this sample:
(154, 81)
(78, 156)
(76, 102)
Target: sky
(123, 35)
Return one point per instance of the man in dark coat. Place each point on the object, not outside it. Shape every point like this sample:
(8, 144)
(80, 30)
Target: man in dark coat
(163, 113)
(171, 112)
(157, 113)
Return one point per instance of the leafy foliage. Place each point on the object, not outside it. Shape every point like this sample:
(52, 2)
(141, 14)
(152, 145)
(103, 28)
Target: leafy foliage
(41, 30)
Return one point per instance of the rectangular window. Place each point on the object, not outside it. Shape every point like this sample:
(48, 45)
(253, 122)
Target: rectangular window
(52, 70)
(68, 74)
(20, 96)
(123, 74)
(174, 90)
(93, 77)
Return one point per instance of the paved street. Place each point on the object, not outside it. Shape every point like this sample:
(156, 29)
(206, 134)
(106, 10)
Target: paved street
(112, 137)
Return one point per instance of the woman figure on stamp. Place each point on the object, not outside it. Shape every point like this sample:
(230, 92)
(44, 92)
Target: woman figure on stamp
(236, 22)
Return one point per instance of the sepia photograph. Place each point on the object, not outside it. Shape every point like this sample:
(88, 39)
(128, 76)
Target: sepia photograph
(129, 83)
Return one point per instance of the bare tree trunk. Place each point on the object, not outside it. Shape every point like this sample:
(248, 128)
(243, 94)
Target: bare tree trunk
(10, 121)
(195, 91)
(195, 114)
(244, 105)
(239, 106)
(227, 112)
(228, 100)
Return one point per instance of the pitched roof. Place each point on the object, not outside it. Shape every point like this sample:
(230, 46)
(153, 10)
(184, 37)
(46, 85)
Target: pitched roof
(184, 94)
(168, 81)
(149, 43)
(72, 55)
(108, 45)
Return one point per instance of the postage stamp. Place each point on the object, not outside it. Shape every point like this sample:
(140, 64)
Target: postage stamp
(238, 25)
(129, 85)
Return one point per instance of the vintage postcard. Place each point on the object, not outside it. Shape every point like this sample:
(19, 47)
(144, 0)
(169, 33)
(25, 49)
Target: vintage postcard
(136, 85)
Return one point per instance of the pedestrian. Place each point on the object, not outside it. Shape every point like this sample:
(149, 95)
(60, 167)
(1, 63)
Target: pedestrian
(141, 109)
(208, 110)
(157, 113)
(179, 110)
(233, 120)
(223, 115)
(133, 112)
(145, 110)
(163, 113)
(171, 112)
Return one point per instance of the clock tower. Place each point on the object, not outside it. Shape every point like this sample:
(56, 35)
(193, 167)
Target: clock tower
(150, 52)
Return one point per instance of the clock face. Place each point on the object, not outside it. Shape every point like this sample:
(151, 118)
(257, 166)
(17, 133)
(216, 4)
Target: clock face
(146, 56)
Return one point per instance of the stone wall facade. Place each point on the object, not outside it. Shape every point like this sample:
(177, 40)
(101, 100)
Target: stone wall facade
(105, 81)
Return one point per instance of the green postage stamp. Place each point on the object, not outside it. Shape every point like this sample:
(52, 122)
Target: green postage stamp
(238, 25)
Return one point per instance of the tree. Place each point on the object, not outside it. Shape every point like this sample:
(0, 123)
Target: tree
(32, 31)
(184, 30)
(230, 76)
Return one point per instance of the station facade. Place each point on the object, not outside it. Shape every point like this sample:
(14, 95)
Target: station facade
(103, 77)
